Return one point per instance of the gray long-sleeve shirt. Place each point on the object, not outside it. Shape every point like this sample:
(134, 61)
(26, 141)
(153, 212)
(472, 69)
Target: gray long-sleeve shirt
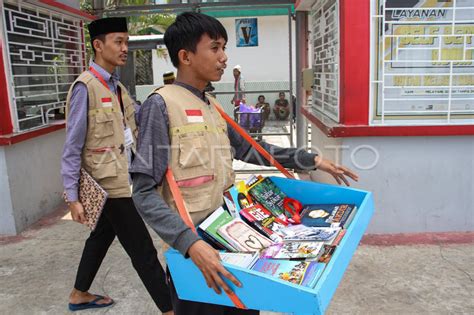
(151, 162)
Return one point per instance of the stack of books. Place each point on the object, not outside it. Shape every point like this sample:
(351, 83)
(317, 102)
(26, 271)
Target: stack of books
(253, 232)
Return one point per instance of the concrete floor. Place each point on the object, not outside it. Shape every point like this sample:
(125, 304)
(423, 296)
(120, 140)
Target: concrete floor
(37, 271)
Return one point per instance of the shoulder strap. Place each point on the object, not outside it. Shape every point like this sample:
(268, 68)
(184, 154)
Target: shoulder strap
(178, 198)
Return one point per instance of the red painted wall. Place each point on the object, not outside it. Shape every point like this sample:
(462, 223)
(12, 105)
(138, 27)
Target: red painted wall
(6, 126)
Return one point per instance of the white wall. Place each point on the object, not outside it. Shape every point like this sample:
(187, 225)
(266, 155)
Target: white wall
(34, 180)
(267, 62)
(7, 220)
(419, 184)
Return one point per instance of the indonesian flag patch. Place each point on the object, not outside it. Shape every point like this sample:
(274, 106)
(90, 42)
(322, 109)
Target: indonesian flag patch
(194, 115)
(106, 102)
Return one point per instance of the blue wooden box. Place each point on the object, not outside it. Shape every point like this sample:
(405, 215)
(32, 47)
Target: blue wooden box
(263, 292)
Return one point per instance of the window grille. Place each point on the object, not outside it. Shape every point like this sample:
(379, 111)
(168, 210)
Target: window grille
(325, 38)
(46, 55)
(422, 62)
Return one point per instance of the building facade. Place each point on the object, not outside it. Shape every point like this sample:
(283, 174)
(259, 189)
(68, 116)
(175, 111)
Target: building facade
(393, 98)
(41, 53)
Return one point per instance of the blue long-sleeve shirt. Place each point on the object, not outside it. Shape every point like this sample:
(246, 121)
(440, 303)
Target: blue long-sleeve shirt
(76, 131)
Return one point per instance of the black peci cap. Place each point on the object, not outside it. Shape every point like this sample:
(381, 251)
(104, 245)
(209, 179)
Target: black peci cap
(107, 25)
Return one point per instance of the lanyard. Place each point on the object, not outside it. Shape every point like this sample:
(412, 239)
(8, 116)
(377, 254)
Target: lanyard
(119, 95)
(100, 78)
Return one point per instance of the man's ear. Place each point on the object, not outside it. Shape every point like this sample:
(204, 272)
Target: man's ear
(98, 45)
(184, 57)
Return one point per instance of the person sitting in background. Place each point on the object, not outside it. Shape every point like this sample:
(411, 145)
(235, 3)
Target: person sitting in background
(264, 106)
(168, 77)
(281, 109)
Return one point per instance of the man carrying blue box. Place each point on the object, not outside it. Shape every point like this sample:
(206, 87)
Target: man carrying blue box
(181, 129)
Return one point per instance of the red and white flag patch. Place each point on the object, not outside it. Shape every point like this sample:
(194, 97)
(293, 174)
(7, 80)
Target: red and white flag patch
(106, 102)
(194, 115)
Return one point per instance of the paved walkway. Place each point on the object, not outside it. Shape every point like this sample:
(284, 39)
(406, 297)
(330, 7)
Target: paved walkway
(37, 272)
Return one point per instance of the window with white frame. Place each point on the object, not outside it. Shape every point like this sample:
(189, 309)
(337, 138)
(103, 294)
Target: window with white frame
(422, 62)
(325, 38)
(46, 55)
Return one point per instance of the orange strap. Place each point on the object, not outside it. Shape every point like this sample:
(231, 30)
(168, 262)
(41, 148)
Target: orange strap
(178, 199)
(254, 143)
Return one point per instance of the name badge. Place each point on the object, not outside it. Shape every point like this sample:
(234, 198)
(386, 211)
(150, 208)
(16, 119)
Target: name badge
(128, 137)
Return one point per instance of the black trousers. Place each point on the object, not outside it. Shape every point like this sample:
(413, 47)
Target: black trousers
(120, 218)
(183, 307)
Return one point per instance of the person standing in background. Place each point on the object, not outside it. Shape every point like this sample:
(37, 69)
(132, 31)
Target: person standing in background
(239, 89)
(168, 77)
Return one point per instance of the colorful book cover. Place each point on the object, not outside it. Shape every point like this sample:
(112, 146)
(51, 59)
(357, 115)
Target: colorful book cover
(303, 273)
(212, 223)
(244, 260)
(242, 237)
(339, 237)
(243, 197)
(301, 232)
(350, 218)
(326, 215)
(328, 251)
(270, 196)
(263, 221)
(293, 250)
(230, 205)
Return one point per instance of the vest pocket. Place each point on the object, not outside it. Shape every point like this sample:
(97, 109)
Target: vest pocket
(193, 151)
(104, 165)
(104, 123)
(197, 198)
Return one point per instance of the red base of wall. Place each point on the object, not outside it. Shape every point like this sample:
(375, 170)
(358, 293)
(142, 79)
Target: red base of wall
(15, 138)
(418, 238)
(341, 131)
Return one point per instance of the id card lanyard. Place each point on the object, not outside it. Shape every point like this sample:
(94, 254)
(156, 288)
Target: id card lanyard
(119, 94)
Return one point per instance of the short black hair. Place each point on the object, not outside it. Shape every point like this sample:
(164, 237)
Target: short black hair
(281, 93)
(100, 37)
(187, 30)
(261, 96)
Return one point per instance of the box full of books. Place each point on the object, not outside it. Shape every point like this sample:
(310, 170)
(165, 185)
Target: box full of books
(287, 241)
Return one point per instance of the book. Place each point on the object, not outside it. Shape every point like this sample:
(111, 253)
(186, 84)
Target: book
(263, 221)
(208, 229)
(92, 197)
(326, 215)
(244, 260)
(230, 205)
(270, 196)
(244, 200)
(301, 232)
(305, 273)
(242, 237)
(350, 218)
(293, 250)
(339, 237)
(326, 255)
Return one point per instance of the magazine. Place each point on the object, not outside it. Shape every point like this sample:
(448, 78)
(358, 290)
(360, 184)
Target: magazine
(294, 250)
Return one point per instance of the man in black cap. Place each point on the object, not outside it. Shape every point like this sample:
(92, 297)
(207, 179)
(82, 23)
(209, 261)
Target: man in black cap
(100, 137)
(168, 77)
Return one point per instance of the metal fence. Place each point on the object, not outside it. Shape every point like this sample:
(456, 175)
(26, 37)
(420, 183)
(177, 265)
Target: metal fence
(46, 56)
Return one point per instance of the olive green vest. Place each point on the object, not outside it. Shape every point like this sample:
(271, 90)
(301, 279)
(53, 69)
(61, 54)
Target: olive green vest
(200, 147)
(104, 156)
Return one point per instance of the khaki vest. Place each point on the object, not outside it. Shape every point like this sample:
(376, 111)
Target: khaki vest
(198, 148)
(103, 155)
